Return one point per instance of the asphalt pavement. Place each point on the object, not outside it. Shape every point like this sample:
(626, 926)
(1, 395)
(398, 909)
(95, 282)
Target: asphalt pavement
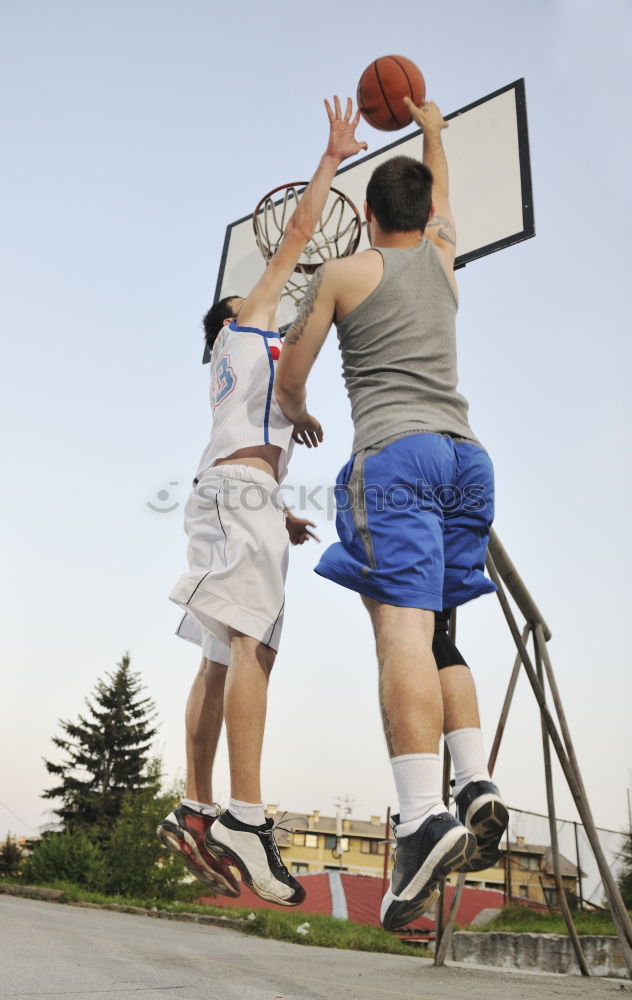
(56, 950)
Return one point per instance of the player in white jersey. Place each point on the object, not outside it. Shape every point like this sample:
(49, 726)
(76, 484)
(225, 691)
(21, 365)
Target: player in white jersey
(233, 594)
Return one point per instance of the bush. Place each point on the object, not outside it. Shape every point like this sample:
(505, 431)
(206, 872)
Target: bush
(136, 863)
(71, 857)
(10, 857)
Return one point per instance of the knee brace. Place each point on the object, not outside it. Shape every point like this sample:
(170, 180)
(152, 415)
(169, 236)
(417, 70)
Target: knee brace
(444, 648)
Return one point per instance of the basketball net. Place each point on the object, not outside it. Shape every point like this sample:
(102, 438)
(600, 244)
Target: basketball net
(337, 232)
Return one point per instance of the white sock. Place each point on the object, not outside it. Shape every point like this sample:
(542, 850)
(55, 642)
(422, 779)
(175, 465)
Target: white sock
(201, 807)
(251, 813)
(468, 756)
(418, 783)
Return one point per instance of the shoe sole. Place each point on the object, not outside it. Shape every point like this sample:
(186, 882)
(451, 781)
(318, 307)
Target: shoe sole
(421, 891)
(487, 818)
(179, 841)
(223, 853)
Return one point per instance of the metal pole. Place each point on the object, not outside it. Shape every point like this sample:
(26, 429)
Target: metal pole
(617, 907)
(500, 729)
(579, 870)
(439, 923)
(441, 948)
(619, 916)
(515, 584)
(555, 849)
(387, 845)
(509, 886)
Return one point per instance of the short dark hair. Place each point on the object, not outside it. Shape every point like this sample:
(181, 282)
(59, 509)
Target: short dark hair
(214, 319)
(399, 195)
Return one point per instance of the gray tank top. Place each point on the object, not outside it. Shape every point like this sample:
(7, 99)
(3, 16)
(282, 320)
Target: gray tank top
(399, 353)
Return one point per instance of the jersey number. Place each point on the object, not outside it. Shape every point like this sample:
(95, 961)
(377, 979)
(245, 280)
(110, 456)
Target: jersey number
(225, 380)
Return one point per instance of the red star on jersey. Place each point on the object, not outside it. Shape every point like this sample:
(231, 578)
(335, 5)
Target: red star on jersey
(276, 353)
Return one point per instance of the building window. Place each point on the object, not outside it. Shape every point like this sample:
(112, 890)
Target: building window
(298, 840)
(493, 885)
(330, 841)
(524, 890)
(372, 847)
(298, 868)
(344, 843)
(311, 840)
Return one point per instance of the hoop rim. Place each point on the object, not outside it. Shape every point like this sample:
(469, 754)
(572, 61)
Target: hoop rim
(306, 268)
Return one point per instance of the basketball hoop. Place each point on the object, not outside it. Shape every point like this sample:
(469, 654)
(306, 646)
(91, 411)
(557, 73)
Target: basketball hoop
(337, 232)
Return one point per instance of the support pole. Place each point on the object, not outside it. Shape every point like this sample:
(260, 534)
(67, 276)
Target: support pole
(515, 584)
(580, 894)
(555, 849)
(442, 945)
(439, 922)
(619, 915)
(500, 728)
(617, 906)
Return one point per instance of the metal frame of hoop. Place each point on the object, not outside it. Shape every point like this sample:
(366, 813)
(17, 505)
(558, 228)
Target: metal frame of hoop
(336, 235)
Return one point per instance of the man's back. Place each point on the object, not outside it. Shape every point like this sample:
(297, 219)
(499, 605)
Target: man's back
(396, 327)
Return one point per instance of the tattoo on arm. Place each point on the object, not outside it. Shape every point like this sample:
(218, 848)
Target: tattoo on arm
(385, 720)
(445, 228)
(297, 329)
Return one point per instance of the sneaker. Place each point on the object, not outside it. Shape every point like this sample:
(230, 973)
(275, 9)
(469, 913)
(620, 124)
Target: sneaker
(183, 833)
(481, 809)
(253, 850)
(439, 846)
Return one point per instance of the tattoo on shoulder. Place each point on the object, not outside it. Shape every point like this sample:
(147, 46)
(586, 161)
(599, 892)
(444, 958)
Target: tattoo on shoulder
(445, 228)
(297, 329)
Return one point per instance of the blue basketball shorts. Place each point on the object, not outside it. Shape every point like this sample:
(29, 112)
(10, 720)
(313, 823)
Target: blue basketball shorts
(413, 519)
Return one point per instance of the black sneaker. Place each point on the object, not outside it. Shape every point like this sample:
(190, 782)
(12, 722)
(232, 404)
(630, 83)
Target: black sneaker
(481, 809)
(253, 850)
(440, 846)
(183, 832)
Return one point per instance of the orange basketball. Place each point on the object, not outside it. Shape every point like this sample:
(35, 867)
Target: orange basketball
(382, 89)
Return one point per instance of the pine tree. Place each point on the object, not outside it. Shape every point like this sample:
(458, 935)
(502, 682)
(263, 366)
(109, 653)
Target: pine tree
(106, 753)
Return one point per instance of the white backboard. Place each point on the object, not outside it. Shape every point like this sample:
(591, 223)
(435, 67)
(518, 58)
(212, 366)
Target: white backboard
(487, 148)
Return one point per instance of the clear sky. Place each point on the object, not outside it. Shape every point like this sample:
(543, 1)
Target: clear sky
(133, 133)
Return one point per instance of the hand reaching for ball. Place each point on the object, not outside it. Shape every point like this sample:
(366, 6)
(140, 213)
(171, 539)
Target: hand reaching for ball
(427, 115)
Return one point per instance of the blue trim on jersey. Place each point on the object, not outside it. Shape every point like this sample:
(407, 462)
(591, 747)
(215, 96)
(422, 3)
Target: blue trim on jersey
(254, 329)
(266, 419)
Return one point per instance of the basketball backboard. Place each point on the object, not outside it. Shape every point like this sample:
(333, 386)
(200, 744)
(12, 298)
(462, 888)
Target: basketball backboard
(487, 148)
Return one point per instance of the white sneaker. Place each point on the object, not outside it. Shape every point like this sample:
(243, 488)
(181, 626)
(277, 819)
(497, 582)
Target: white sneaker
(253, 850)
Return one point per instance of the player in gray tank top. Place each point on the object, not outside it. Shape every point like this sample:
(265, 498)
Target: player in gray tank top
(415, 506)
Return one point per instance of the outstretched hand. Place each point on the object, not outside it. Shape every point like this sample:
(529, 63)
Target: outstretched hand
(427, 115)
(342, 141)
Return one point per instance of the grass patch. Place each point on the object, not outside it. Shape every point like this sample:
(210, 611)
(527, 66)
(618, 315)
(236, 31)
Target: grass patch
(281, 925)
(328, 932)
(520, 919)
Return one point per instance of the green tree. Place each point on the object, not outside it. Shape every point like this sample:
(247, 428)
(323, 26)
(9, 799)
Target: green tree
(106, 753)
(10, 857)
(624, 878)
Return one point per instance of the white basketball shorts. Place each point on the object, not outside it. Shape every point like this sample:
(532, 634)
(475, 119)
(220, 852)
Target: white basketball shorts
(238, 557)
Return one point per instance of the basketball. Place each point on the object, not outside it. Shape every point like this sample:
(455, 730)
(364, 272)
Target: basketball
(382, 88)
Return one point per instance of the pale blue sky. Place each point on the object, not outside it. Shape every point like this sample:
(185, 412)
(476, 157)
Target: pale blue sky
(133, 133)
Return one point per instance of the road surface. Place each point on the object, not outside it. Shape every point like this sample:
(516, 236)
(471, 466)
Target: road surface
(54, 950)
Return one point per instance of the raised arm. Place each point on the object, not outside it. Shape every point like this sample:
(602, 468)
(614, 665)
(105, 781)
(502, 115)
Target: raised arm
(260, 307)
(440, 229)
(302, 344)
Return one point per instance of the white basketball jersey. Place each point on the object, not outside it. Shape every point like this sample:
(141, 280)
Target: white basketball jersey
(245, 412)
